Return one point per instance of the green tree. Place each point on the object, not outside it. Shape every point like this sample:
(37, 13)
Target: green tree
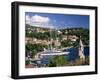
(58, 61)
(34, 48)
(76, 43)
(66, 43)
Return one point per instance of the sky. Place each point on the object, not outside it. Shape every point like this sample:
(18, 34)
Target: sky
(59, 21)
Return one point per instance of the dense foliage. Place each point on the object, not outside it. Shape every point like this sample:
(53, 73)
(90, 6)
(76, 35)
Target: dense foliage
(63, 61)
(58, 61)
(33, 49)
(66, 43)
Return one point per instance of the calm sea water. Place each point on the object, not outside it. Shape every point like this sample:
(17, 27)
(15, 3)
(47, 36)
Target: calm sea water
(73, 54)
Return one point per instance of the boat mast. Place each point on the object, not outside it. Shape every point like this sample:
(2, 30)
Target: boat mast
(50, 39)
(56, 37)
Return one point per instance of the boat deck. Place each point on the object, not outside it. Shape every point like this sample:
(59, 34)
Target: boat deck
(54, 53)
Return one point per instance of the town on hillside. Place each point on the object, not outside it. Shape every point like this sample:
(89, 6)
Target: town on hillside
(39, 39)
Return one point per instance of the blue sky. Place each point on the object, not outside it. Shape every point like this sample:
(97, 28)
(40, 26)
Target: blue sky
(59, 21)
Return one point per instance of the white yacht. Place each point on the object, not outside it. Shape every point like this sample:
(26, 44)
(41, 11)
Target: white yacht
(51, 50)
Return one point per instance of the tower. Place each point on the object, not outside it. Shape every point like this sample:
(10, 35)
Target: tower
(81, 50)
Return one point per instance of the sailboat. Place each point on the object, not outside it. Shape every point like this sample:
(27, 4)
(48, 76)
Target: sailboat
(81, 50)
(51, 50)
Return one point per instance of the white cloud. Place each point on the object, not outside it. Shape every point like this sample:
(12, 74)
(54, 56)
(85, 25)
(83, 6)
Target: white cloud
(28, 19)
(37, 20)
(40, 19)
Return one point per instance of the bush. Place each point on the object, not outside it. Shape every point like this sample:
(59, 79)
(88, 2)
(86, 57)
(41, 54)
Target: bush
(66, 43)
(33, 49)
(27, 62)
(58, 61)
